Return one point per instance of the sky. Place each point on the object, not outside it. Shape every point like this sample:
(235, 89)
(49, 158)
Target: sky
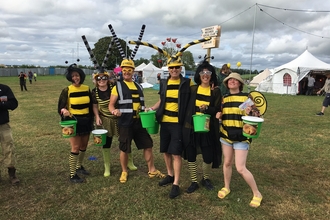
(259, 35)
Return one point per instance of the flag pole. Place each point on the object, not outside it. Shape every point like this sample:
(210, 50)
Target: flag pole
(254, 26)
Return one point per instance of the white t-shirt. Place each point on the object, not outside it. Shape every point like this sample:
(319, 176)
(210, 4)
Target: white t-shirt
(311, 81)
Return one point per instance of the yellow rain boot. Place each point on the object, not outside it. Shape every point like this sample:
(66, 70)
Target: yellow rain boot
(130, 163)
(106, 159)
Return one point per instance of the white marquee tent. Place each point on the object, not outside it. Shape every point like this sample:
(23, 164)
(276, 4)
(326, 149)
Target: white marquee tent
(261, 76)
(140, 67)
(285, 78)
(149, 73)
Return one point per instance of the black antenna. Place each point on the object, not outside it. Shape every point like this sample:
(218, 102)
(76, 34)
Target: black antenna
(90, 52)
(139, 39)
(121, 51)
(108, 53)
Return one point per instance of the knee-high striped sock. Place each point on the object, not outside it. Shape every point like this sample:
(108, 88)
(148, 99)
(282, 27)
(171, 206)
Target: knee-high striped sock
(80, 158)
(206, 170)
(73, 158)
(192, 166)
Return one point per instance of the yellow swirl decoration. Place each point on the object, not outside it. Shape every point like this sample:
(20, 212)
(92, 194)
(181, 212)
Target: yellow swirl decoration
(260, 101)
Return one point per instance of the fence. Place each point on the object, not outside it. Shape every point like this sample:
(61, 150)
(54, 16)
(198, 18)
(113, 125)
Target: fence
(42, 71)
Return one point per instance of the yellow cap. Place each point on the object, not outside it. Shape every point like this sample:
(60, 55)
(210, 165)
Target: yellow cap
(127, 63)
(174, 61)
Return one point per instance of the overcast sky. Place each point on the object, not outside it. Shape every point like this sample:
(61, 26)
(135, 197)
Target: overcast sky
(48, 32)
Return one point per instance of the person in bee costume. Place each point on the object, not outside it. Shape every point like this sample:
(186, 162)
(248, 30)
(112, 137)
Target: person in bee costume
(126, 101)
(171, 109)
(100, 97)
(76, 100)
(205, 98)
(104, 118)
(235, 146)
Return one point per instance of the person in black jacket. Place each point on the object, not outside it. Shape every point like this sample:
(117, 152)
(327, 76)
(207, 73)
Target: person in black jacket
(205, 98)
(171, 110)
(22, 81)
(7, 102)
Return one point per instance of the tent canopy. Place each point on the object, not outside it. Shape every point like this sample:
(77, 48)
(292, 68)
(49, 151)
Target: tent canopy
(149, 73)
(140, 67)
(261, 76)
(285, 78)
(305, 62)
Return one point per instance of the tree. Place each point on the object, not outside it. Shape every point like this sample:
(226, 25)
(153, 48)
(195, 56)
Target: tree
(100, 50)
(188, 60)
(140, 61)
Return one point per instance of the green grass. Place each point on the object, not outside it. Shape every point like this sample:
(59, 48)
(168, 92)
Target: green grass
(290, 161)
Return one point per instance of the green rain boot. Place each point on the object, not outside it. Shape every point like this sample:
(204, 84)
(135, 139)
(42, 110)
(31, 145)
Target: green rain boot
(106, 159)
(130, 163)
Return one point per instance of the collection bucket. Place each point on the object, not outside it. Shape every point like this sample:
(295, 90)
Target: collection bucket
(68, 128)
(252, 126)
(201, 122)
(148, 119)
(99, 137)
(154, 129)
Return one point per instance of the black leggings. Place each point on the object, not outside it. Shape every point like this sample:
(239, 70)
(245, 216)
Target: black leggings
(207, 154)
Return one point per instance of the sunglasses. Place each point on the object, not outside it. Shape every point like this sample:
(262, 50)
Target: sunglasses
(101, 78)
(175, 67)
(209, 73)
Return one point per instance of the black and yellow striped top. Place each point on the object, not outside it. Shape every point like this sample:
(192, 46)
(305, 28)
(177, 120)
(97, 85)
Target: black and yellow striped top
(232, 122)
(79, 100)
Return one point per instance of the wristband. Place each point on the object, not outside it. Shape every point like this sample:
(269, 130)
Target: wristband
(113, 112)
(151, 108)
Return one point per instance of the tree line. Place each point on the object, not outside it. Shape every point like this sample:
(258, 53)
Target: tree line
(114, 59)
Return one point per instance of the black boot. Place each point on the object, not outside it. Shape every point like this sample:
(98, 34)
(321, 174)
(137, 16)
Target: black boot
(12, 176)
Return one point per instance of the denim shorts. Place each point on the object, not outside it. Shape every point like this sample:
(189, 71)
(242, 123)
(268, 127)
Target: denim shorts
(236, 145)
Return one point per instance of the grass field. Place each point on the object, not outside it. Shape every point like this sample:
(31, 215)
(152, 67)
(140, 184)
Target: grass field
(290, 161)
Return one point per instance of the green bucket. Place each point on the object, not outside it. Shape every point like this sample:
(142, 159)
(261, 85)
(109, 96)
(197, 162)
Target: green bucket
(148, 119)
(99, 137)
(154, 129)
(68, 128)
(252, 126)
(201, 122)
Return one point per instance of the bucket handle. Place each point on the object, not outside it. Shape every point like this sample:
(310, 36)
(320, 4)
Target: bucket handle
(98, 126)
(71, 116)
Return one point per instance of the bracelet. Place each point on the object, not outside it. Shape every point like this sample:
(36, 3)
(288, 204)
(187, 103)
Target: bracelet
(113, 112)
(151, 108)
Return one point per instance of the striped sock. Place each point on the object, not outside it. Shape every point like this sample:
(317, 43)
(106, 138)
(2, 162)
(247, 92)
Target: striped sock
(206, 170)
(72, 163)
(192, 166)
(80, 158)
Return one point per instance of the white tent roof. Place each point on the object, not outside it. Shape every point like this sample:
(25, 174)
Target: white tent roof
(140, 67)
(150, 72)
(261, 76)
(303, 64)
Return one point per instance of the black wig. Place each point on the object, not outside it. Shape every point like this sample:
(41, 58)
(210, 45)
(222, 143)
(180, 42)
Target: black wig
(205, 65)
(74, 68)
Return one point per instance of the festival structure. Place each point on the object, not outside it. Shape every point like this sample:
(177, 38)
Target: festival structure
(285, 78)
(121, 51)
(171, 59)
